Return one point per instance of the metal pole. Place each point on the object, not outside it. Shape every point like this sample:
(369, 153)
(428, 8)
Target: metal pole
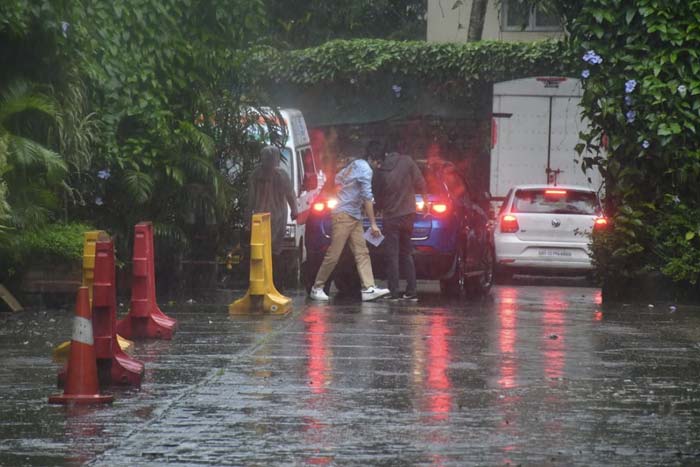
(549, 139)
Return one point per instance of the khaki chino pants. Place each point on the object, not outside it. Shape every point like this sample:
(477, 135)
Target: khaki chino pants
(346, 228)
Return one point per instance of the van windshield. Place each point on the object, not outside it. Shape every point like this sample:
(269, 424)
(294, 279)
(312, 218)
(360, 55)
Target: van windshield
(556, 201)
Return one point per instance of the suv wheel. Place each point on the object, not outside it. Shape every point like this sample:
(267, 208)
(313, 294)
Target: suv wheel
(480, 285)
(452, 286)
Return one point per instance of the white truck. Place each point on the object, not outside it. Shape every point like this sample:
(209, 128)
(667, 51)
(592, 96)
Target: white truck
(535, 128)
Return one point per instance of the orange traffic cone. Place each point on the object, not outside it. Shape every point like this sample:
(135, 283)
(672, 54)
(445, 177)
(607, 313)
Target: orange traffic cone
(82, 386)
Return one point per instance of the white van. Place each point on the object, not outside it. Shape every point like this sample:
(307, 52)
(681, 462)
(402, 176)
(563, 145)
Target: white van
(307, 179)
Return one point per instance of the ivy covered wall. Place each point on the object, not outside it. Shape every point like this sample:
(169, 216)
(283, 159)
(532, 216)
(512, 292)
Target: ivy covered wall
(373, 80)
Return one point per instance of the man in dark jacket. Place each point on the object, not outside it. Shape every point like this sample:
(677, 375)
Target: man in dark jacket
(398, 181)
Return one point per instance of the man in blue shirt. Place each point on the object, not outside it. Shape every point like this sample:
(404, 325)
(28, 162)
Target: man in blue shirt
(354, 192)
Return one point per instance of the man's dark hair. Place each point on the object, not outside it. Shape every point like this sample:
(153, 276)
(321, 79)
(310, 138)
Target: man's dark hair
(375, 150)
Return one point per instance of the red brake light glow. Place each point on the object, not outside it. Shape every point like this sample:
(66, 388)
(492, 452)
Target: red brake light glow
(555, 192)
(321, 205)
(600, 223)
(439, 208)
(509, 224)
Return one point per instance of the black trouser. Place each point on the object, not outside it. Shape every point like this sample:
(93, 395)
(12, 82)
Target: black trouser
(399, 252)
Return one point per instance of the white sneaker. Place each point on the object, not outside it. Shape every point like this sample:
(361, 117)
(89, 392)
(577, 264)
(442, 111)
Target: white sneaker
(373, 293)
(318, 295)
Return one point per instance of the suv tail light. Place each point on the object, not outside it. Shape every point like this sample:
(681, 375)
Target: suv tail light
(439, 208)
(509, 224)
(600, 223)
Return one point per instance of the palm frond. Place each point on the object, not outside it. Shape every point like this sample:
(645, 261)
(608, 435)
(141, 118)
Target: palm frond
(19, 97)
(139, 185)
(26, 153)
(200, 167)
(197, 138)
(170, 233)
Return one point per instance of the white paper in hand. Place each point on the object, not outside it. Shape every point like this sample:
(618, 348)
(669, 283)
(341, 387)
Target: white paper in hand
(376, 241)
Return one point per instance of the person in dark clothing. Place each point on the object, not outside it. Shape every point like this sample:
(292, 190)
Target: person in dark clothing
(270, 190)
(398, 181)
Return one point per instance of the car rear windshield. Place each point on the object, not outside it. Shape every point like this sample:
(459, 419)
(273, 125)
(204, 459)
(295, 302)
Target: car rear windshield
(554, 201)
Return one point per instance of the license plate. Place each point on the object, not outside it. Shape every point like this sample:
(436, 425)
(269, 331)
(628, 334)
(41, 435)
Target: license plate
(555, 253)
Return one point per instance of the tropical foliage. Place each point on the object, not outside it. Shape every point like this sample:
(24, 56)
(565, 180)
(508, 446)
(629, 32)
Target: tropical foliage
(303, 23)
(98, 107)
(32, 173)
(639, 63)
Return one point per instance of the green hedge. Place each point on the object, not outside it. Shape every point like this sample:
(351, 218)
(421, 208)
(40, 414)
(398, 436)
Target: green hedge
(455, 68)
(52, 243)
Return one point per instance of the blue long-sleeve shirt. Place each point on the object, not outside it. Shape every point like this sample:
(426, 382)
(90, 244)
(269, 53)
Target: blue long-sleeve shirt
(354, 187)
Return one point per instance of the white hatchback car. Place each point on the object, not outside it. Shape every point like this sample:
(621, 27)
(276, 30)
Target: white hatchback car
(545, 228)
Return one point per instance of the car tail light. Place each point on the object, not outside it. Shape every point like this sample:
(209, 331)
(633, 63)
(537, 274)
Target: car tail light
(322, 205)
(600, 223)
(509, 224)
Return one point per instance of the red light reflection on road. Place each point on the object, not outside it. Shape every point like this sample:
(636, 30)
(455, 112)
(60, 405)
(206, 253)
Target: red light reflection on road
(598, 297)
(318, 371)
(317, 351)
(439, 384)
(507, 333)
(555, 306)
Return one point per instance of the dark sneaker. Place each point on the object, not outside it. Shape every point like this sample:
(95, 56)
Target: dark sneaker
(409, 297)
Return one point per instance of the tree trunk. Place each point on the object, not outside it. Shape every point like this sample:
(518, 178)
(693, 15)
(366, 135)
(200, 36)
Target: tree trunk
(476, 20)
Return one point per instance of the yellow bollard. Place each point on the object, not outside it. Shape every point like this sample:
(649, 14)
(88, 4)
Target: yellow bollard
(262, 289)
(62, 351)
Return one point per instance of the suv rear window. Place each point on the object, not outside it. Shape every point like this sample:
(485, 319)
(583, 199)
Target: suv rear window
(556, 201)
(442, 178)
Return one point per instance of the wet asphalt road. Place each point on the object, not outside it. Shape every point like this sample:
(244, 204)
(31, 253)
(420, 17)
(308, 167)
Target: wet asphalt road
(535, 375)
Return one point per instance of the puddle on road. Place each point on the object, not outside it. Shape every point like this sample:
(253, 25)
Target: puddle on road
(531, 375)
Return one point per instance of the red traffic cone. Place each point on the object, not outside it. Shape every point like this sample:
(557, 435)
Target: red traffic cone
(114, 366)
(145, 318)
(82, 385)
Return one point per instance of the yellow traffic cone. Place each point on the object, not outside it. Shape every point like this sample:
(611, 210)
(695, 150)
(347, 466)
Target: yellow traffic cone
(62, 351)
